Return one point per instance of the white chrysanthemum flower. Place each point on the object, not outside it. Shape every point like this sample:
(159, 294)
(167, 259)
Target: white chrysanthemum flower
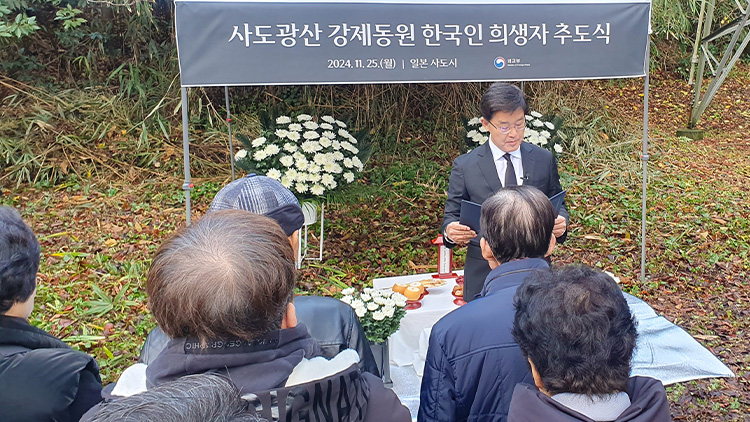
(291, 174)
(528, 133)
(311, 146)
(332, 168)
(294, 136)
(536, 114)
(296, 127)
(348, 163)
(281, 133)
(472, 133)
(543, 141)
(396, 296)
(240, 155)
(348, 291)
(317, 189)
(343, 133)
(475, 121)
(479, 139)
(325, 142)
(282, 120)
(304, 117)
(326, 126)
(360, 312)
(311, 134)
(378, 299)
(328, 134)
(336, 145)
(365, 296)
(327, 180)
(337, 156)
(372, 306)
(346, 299)
(529, 118)
(401, 303)
(319, 159)
(300, 187)
(357, 303)
(301, 164)
(286, 182)
(545, 134)
(314, 168)
(259, 155)
(302, 176)
(298, 156)
(271, 149)
(289, 147)
(340, 123)
(273, 174)
(349, 177)
(537, 123)
(310, 125)
(286, 161)
(378, 315)
(328, 119)
(258, 142)
(313, 177)
(352, 139)
(357, 163)
(549, 125)
(388, 311)
(483, 129)
(558, 148)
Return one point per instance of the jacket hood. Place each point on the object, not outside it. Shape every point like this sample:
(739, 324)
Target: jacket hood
(257, 365)
(341, 397)
(648, 403)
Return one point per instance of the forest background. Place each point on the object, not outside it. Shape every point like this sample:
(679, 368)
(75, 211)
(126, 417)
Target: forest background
(91, 155)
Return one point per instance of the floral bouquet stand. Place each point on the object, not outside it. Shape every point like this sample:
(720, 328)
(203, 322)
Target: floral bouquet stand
(380, 313)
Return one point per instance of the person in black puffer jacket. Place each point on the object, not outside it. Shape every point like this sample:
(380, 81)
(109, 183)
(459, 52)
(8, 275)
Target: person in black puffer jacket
(222, 291)
(41, 378)
(576, 330)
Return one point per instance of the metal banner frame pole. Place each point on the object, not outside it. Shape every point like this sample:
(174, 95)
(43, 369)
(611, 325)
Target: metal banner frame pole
(229, 129)
(187, 185)
(644, 159)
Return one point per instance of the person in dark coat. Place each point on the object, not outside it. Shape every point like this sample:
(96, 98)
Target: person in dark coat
(222, 290)
(472, 362)
(41, 378)
(575, 328)
(505, 160)
(331, 322)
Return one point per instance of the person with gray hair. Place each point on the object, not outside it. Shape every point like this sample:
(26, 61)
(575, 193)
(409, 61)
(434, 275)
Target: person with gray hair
(41, 378)
(193, 398)
(222, 289)
(472, 362)
(331, 322)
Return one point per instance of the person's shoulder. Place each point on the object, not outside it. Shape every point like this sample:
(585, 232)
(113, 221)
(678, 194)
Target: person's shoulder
(471, 156)
(527, 148)
(463, 320)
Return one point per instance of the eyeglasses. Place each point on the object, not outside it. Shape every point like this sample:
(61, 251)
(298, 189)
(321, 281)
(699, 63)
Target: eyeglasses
(506, 129)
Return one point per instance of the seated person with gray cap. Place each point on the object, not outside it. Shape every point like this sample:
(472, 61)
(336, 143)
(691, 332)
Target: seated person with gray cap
(331, 322)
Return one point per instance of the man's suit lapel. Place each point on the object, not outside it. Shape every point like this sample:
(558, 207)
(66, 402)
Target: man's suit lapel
(527, 159)
(487, 166)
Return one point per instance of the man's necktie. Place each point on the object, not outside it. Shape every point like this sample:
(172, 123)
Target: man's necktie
(510, 172)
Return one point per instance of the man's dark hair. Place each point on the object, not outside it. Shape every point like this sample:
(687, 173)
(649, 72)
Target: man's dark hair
(230, 275)
(19, 259)
(502, 97)
(574, 324)
(517, 222)
(192, 398)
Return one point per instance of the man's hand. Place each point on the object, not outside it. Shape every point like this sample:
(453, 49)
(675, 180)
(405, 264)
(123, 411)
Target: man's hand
(560, 226)
(460, 234)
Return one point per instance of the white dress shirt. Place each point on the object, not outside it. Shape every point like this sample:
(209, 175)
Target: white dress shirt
(501, 163)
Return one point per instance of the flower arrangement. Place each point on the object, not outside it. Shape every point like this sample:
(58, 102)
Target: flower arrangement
(379, 311)
(308, 156)
(540, 131)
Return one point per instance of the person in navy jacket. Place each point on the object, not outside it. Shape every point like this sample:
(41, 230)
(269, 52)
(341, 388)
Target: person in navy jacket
(472, 362)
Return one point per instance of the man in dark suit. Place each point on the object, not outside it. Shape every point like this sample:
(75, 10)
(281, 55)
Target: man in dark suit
(503, 161)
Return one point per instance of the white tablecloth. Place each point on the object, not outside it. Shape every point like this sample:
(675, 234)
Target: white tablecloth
(404, 347)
